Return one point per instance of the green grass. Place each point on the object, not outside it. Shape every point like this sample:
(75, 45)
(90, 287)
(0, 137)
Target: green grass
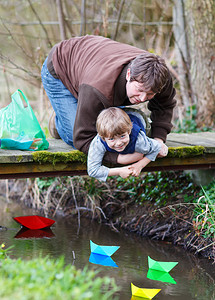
(204, 213)
(46, 279)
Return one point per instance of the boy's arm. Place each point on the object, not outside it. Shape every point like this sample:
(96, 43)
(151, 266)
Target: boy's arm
(124, 172)
(94, 163)
(138, 166)
(125, 159)
(94, 160)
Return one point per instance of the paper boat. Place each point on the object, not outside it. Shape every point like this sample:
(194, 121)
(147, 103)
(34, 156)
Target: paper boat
(161, 265)
(102, 260)
(34, 222)
(26, 233)
(138, 298)
(103, 250)
(143, 292)
(160, 276)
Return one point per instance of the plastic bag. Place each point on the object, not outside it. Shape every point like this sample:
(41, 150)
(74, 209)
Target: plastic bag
(19, 127)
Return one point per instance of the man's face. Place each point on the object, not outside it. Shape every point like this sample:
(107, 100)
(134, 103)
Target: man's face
(135, 91)
(118, 142)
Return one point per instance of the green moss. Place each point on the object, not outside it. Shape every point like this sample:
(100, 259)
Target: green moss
(19, 158)
(59, 157)
(43, 157)
(190, 151)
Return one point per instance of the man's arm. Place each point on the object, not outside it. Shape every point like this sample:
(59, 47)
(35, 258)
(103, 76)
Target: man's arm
(161, 107)
(90, 103)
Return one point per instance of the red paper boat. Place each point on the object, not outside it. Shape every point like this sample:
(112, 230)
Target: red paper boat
(34, 222)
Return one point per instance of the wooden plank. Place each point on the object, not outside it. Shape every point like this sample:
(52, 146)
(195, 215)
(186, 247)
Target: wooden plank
(17, 156)
(18, 164)
(205, 139)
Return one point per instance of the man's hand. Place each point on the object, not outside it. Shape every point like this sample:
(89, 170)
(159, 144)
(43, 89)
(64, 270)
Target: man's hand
(164, 149)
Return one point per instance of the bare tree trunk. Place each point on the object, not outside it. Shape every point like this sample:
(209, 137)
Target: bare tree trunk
(61, 20)
(83, 18)
(181, 51)
(118, 19)
(43, 27)
(200, 16)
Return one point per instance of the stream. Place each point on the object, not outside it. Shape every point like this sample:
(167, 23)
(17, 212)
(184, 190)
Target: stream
(192, 278)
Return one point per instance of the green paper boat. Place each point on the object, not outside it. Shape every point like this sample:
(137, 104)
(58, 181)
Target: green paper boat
(103, 250)
(160, 276)
(161, 265)
(143, 292)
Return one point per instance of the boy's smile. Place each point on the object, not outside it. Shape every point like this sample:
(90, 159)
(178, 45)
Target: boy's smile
(118, 142)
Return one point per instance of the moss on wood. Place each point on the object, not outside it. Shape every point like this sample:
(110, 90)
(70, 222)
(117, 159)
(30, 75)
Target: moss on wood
(43, 157)
(189, 151)
(19, 158)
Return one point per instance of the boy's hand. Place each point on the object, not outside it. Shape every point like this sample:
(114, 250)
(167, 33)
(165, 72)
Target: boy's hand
(124, 172)
(136, 169)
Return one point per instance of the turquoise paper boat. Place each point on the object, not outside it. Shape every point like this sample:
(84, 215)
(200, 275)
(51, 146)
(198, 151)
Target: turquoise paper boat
(102, 260)
(160, 276)
(103, 250)
(161, 265)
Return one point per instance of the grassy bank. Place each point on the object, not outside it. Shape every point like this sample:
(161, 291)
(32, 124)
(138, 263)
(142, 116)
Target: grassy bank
(47, 279)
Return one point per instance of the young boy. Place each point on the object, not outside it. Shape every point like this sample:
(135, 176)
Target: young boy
(123, 133)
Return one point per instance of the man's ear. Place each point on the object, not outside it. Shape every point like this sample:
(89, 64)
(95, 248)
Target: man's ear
(128, 75)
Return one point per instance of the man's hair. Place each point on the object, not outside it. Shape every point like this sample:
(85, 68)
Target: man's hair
(151, 70)
(113, 121)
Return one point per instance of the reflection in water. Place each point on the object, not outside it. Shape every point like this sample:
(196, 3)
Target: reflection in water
(26, 233)
(103, 260)
(195, 277)
(138, 298)
(160, 276)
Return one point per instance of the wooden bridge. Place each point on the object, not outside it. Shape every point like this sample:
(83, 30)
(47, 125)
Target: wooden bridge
(186, 152)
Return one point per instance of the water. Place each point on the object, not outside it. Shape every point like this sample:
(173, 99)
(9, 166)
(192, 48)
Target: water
(194, 277)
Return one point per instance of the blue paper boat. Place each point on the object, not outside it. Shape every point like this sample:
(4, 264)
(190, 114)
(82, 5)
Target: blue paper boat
(103, 260)
(103, 250)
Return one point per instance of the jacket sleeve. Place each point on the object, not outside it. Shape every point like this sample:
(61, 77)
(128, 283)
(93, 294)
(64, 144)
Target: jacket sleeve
(90, 103)
(161, 107)
(94, 160)
(147, 146)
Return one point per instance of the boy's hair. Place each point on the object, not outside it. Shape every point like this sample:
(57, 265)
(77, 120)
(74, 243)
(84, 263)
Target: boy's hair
(113, 121)
(151, 70)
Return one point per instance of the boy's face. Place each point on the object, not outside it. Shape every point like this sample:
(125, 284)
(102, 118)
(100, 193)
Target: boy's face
(135, 91)
(118, 142)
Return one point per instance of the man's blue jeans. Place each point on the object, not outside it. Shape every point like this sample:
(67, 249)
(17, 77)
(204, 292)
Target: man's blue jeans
(63, 103)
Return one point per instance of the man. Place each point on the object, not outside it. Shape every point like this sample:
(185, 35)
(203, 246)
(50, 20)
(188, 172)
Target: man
(84, 75)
